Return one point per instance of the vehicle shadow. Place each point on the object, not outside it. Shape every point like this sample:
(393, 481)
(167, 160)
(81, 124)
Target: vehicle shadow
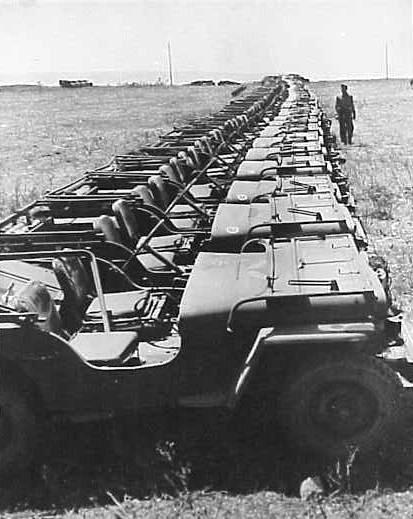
(92, 464)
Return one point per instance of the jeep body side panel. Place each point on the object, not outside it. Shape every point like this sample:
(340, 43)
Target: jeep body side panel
(69, 385)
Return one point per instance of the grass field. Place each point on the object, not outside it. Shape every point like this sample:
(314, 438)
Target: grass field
(380, 166)
(50, 135)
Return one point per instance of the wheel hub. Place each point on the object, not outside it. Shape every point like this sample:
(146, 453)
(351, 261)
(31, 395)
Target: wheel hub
(343, 409)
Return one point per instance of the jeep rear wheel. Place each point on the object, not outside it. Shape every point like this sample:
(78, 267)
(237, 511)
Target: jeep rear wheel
(17, 431)
(339, 403)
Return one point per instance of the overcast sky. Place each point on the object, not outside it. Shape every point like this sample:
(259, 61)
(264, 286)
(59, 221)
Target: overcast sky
(318, 38)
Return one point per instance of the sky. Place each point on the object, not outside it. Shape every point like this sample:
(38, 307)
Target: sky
(113, 41)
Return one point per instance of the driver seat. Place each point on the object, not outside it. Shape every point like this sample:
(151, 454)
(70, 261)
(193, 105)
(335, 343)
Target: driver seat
(80, 303)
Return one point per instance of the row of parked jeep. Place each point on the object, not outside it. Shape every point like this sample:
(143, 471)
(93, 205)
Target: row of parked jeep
(223, 266)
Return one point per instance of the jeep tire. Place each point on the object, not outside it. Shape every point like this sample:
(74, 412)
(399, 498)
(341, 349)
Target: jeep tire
(339, 403)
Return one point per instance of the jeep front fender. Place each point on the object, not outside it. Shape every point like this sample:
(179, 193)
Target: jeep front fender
(359, 334)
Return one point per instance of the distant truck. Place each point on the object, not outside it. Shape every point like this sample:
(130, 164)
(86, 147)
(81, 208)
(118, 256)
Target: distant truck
(77, 83)
(227, 82)
(202, 82)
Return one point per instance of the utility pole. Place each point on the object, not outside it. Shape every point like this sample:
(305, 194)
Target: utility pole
(386, 59)
(171, 81)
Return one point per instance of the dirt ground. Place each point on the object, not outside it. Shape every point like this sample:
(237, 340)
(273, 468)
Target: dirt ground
(50, 135)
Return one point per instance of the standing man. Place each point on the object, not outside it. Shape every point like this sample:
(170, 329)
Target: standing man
(346, 113)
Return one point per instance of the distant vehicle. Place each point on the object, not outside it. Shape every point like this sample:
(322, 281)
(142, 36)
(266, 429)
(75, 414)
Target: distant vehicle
(77, 83)
(270, 80)
(226, 82)
(202, 82)
(238, 90)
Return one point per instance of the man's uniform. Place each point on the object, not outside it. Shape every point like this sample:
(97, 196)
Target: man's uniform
(346, 113)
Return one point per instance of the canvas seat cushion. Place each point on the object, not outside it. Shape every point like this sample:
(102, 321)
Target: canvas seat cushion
(169, 241)
(120, 304)
(105, 347)
(201, 191)
(181, 208)
(151, 262)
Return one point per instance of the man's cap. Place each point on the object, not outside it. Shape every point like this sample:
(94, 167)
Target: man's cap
(343, 85)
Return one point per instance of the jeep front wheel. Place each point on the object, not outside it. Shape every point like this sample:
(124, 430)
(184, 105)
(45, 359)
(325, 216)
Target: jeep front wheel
(339, 403)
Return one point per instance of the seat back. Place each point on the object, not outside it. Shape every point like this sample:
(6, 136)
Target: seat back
(145, 194)
(242, 121)
(180, 168)
(160, 191)
(186, 166)
(78, 292)
(42, 213)
(127, 220)
(168, 171)
(107, 226)
(217, 136)
(207, 146)
(137, 221)
(202, 156)
(194, 156)
(74, 280)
